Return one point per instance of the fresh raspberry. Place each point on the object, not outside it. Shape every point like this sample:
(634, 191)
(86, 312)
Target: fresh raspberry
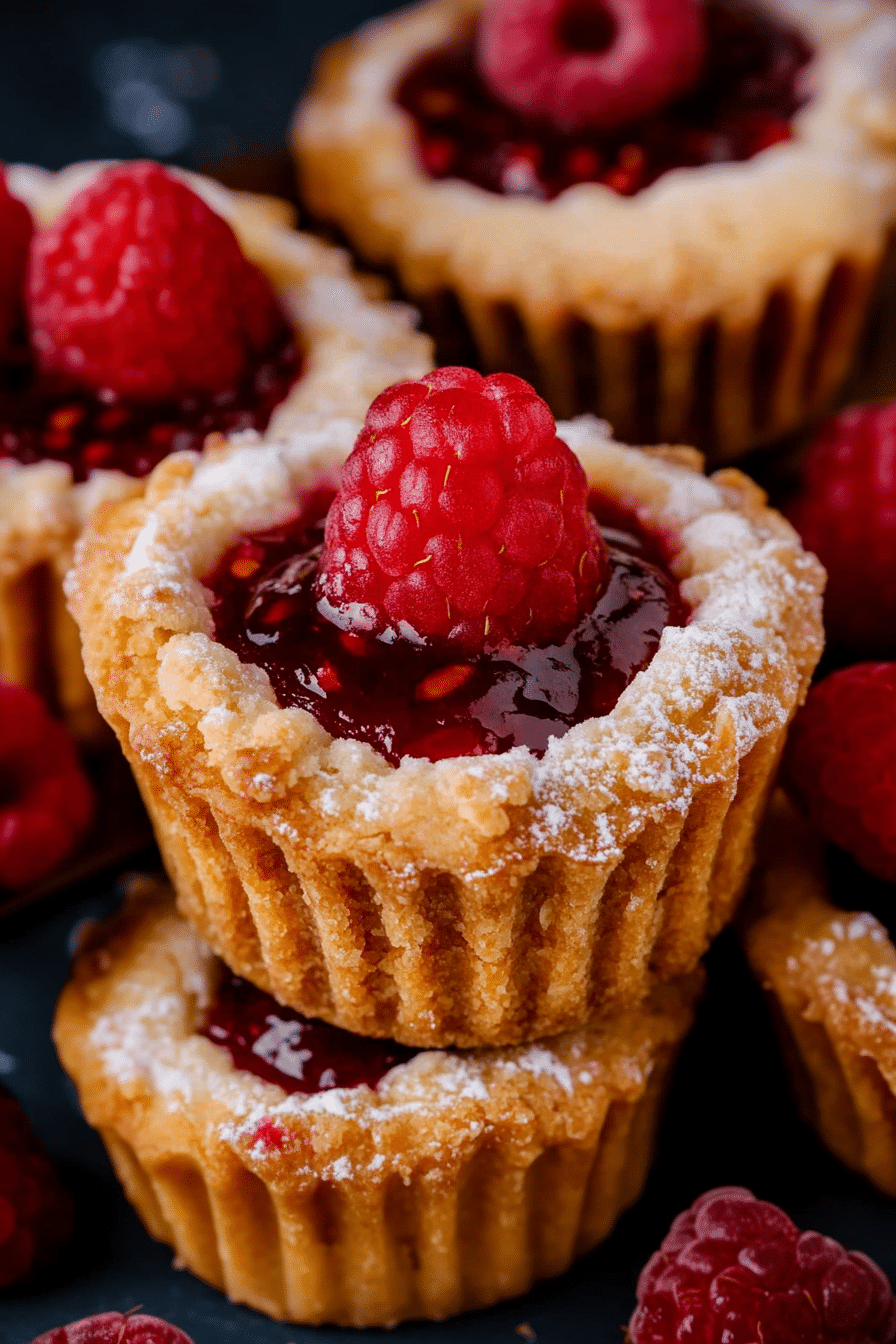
(590, 64)
(142, 292)
(46, 802)
(113, 1327)
(35, 1212)
(839, 763)
(461, 517)
(846, 513)
(15, 239)
(735, 1270)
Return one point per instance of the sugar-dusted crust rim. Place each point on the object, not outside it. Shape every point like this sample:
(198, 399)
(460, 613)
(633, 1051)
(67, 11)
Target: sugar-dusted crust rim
(355, 344)
(830, 976)
(659, 796)
(448, 1130)
(698, 242)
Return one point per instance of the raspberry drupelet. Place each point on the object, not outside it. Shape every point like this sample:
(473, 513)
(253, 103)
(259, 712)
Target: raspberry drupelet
(734, 1269)
(461, 517)
(35, 1211)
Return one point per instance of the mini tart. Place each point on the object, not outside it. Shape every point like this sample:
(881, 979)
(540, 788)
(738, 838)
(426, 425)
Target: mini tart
(721, 305)
(478, 900)
(830, 976)
(353, 345)
(458, 1181)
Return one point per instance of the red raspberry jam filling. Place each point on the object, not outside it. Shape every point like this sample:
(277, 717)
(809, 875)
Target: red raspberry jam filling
(742, 102)
(425, 701)
(283, 1047)
(87, 430)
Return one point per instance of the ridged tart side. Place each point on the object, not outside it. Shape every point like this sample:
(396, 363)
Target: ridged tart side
(354, 345)
(479, 900)
(460, 1180)
(830, 976)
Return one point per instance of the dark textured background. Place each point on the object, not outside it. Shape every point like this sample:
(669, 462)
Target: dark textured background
(209, 84)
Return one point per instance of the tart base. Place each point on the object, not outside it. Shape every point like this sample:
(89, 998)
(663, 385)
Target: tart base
(830, 977)
(459, 1181)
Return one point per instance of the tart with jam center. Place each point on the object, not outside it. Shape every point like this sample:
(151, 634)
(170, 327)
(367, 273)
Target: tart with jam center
(485, 758)
(140, 310)
(355, 1182)
(666, 212)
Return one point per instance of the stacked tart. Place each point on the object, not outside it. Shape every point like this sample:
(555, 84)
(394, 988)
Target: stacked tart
(140, 310)
(670, 214)
(455, 727)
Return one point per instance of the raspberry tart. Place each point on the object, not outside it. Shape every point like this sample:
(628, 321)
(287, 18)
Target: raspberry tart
(387, 1184)
(669, 213)
(821, 935)
(140, 310)
(465, 769)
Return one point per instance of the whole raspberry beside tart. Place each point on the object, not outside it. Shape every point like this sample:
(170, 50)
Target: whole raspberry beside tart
(114, 1327)
(845, 511)
(35, 1211)
(645, 207)
(734, 1269)
(387, 1185)
(46, 801)
(158, 308)
(297, 705)
(839, 762)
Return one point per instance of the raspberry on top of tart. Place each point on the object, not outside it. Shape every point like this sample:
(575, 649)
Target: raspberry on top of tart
(548, 93)
(148, 328)
(461, 599)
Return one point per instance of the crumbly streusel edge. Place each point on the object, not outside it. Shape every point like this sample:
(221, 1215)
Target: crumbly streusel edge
(191, 711)
(696, 243)
(355, 345)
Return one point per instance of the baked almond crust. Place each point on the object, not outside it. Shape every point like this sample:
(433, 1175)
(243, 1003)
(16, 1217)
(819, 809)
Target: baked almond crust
(459, 1180)
(831, 979)
(474, 901)
(354, 345)
(721, 305)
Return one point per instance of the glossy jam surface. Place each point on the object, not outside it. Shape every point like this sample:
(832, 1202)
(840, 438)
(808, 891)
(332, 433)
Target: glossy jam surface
(411, 701)
(295, 1052)
(40, 422)
(743, 103)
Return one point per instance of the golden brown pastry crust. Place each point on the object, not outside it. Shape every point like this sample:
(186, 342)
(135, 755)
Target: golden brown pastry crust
(458, 1181)
(354, 344)
(721, 305)
(831, 978)
(473, 901)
